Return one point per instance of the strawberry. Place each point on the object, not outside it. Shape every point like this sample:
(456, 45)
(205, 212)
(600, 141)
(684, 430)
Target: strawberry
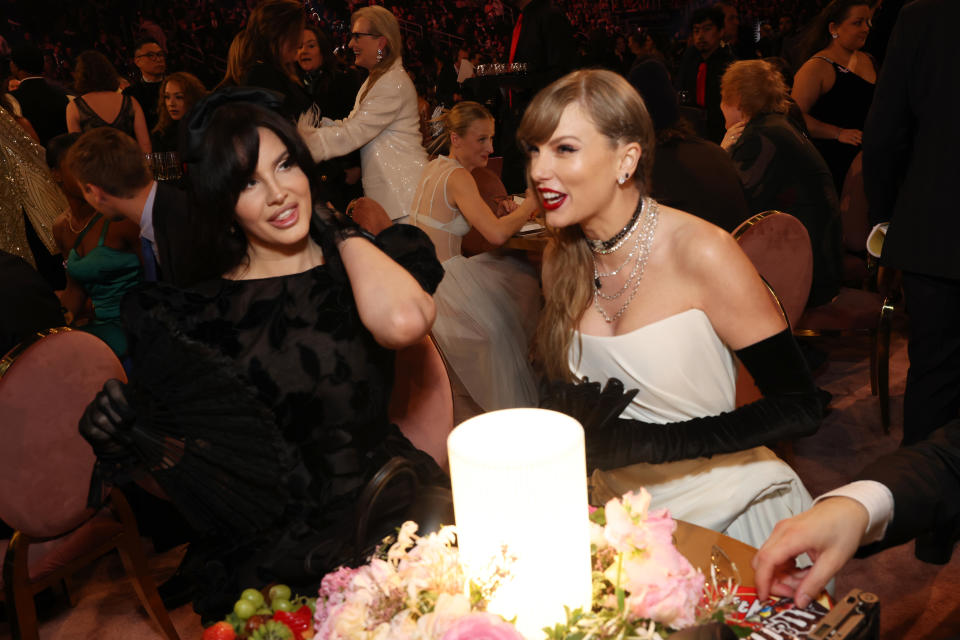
(297, 621)
(220, 631)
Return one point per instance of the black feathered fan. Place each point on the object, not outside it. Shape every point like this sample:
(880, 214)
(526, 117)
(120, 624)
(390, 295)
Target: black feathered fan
(203, 434)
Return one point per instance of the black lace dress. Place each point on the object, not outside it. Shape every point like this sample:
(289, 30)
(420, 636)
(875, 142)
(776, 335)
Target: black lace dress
(298, 341)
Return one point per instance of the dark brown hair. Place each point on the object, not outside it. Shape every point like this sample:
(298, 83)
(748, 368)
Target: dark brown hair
(192, 89)
(94, 73)
(111, 160)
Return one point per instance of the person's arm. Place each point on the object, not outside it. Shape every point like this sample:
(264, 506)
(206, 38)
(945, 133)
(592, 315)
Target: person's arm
(140, 127)
(807, 89)
(462, 190)
(391, 303)
(73, 118)
(729, 291)
(378, 109)
(923, 483)
(73, 298)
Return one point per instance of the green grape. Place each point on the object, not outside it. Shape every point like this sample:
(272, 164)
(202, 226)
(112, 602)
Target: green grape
(244, 609)
(279, 592)
(254, 596)
(281, 604)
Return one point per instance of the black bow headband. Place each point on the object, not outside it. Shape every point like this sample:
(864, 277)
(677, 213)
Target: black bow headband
(202, 114)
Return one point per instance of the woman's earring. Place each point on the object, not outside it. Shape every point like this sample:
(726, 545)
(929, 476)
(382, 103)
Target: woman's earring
(380, 53)
(834, 36)
(623, 178)
(233, 228)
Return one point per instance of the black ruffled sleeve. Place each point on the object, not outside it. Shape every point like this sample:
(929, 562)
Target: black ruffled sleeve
(410, 247)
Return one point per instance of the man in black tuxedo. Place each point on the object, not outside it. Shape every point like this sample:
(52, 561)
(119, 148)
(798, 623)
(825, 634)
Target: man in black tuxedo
(43, 103)
(115, 180)
(912, 492)
(910, 169)
(151, 60)
(543, 39)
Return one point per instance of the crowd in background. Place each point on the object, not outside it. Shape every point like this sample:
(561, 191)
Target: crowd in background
(196, 35)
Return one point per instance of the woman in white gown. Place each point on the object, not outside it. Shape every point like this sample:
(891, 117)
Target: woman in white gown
(486, 305)
(384, 123)
(664, 302)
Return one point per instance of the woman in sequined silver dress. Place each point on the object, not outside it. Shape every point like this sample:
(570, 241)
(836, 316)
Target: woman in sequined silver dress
(384, 123)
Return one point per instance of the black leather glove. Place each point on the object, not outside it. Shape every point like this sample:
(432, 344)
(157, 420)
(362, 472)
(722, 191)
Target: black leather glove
(789, 409)
(106, 422)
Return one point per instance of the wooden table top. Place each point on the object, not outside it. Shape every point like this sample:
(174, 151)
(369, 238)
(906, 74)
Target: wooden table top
(696, 543)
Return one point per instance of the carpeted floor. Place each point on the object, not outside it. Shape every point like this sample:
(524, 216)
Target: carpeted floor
(918, 600)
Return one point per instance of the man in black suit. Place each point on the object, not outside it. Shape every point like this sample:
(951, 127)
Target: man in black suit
(543, 39)
(29, 303)
(912, 492)
(702, 66)
(116, 180)
(151, 60)
(910, 169)
(43, 103)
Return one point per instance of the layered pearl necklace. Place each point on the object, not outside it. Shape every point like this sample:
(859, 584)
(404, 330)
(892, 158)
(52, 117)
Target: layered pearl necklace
(641, 227)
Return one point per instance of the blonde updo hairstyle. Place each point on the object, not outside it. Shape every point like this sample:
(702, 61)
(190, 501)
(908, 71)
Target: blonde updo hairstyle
(456, 120)
(382, 23)
(755, 87)
(618, 112)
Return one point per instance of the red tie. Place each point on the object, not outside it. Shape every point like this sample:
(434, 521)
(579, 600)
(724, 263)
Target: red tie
(513, 51)
(515, 38)
(702, 84)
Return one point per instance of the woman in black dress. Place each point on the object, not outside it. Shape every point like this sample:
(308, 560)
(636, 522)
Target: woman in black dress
(303, 311)
(834, 88)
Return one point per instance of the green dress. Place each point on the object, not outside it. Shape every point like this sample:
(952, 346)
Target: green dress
(106, 274)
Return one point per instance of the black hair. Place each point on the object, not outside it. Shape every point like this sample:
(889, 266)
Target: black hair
(713, 13)
(231, 147)
(58, 146)
(145, 40)
(817, 35)
(28, 57)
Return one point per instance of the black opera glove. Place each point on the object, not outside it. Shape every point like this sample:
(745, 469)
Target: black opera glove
(790, 408)
(106, 423)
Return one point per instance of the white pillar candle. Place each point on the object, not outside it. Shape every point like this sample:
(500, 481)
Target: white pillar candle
(519, 479)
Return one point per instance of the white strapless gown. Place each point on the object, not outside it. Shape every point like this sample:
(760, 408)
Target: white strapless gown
(683, 371)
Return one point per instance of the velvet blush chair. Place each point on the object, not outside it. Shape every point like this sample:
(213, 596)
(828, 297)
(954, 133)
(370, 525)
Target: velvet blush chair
(45, 468)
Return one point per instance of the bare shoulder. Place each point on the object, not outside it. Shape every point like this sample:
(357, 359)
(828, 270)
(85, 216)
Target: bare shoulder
(697, 245)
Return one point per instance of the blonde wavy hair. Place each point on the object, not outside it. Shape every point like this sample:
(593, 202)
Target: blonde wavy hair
(755, 86)
(382, 23)
(618, 112)
(456, 120)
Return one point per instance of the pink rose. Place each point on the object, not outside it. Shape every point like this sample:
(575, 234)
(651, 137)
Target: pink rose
(482, 626)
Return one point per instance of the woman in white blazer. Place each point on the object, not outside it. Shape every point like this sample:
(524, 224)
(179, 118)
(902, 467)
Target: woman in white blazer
(384, 123)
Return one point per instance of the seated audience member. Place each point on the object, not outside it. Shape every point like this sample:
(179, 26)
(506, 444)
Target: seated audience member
(384, 123)
(703, 65)
(486, 305)
(666, 303)
(779, 167)
(99, 104)
(41, 101)
(114, 178)
(689, 173)
(912, 492)
(178, 93)
(151, 60)
(101, 254)
(326, 291)
(30, 305)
